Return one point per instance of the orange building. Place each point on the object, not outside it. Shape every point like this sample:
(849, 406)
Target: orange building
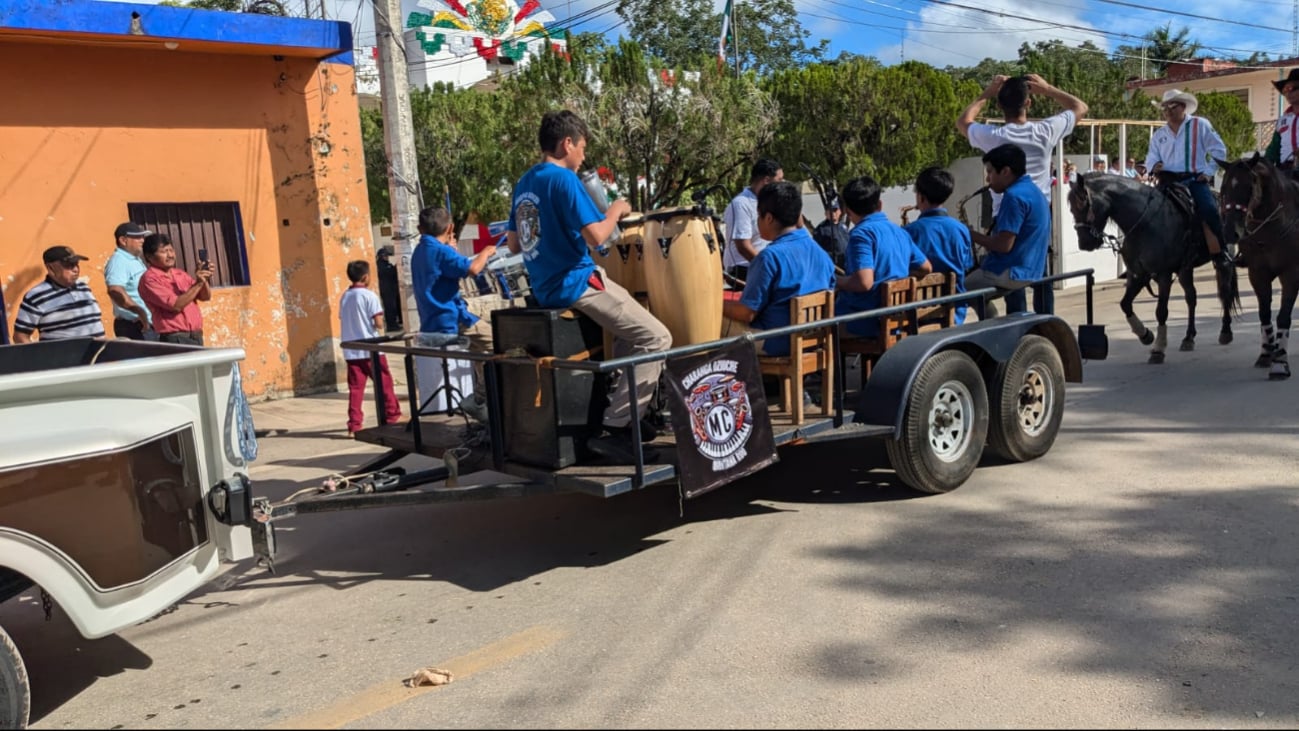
(237, 133)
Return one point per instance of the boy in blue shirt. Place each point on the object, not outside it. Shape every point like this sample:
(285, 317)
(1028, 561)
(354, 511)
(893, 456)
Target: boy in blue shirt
(792, 265)
(1020, 235)
(554, 222)
(436, 268)
(878, 251)
(943, 240)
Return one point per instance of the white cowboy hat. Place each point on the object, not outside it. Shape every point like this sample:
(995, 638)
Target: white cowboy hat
(1181, 97)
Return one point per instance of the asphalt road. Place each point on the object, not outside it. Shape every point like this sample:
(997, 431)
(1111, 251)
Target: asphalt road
(1142, 574)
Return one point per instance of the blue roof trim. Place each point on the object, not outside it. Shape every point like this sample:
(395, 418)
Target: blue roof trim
(332, 38)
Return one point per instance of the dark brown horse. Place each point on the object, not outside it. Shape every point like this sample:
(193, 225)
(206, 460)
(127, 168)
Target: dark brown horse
(1260, 213)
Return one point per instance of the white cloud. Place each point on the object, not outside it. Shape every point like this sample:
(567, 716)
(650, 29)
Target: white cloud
(945, 35)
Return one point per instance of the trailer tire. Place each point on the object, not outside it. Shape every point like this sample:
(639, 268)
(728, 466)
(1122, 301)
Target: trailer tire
(15, 690)
(1027, 401)
(945, 425)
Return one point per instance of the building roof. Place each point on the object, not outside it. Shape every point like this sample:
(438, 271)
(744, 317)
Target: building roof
(1208, 68)
(180, 29)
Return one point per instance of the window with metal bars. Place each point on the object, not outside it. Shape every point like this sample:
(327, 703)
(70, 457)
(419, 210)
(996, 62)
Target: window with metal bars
(214, 229)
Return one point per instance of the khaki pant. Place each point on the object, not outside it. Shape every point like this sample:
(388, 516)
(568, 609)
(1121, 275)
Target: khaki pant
(635, 331)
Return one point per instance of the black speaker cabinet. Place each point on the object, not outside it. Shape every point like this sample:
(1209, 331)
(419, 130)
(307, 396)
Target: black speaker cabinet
(553, 433)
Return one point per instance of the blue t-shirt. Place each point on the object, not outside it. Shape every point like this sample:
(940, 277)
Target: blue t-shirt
(791, 266)
(435, 272)
(1025, 213)
(879, 244)
(550, 209)
(124, 270)
(946, 243)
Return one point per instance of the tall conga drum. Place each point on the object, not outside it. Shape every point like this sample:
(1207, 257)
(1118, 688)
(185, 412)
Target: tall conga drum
(683, 274)
(624, 261)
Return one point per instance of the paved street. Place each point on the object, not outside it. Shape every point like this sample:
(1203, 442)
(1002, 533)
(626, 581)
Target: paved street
(1142, 574)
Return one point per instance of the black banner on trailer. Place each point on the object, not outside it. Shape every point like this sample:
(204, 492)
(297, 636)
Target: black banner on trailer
(719, 416)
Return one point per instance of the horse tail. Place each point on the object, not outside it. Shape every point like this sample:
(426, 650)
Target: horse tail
(1228, 289)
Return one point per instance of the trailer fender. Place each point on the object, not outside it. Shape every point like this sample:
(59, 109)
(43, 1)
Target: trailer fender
(884, 397)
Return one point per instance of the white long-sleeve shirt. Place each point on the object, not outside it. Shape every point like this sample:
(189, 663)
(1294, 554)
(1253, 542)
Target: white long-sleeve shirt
(1189, 150)
(1288, 128)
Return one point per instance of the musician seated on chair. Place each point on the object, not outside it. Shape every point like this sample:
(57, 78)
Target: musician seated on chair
(436, 268)
(1020, 235)
(878, 251)
(943, 240)
(1183, 151)
(792, 265)
(554, 222)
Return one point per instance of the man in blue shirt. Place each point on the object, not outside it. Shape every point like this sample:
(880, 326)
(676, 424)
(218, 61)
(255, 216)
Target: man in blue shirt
(943, 240)
(878, 251)
(792, 265)
(436, 268)
(122, 274)
(1020, 234)
(554, 222)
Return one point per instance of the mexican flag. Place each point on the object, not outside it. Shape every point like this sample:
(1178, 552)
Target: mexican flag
(726, 34)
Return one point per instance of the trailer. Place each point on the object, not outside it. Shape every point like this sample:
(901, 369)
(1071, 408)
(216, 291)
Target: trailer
(123, 482)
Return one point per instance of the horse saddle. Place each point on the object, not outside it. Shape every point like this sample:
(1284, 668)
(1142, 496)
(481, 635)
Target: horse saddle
(1180, 196)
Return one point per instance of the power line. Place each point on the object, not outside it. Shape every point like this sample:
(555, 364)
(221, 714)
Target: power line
(1187, 15)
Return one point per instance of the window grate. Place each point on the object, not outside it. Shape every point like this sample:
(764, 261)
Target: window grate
(214, 226)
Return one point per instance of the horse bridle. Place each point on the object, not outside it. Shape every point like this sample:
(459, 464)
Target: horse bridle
(1107, 240)
(1255, 198)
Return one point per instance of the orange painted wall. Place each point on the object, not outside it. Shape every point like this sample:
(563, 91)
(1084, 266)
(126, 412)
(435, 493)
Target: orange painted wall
(86, 129)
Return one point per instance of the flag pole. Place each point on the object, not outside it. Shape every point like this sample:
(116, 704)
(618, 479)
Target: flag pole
(735, 37)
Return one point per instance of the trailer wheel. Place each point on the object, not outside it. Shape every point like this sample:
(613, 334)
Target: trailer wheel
(15, 692)
(945, 425)
(1027, 401)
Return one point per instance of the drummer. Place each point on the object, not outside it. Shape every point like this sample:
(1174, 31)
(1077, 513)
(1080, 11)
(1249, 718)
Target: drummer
(792, 265)
(436, 268)
(554, 222)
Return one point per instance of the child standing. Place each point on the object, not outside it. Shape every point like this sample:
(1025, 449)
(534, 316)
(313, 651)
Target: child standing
(361, 315)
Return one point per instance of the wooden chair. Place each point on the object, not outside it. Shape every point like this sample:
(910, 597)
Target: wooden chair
(934, 317)
(809, 352)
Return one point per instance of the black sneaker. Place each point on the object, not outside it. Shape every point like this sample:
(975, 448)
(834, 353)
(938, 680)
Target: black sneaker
(1222, 259)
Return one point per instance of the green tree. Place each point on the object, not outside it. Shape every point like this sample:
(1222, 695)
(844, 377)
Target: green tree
(261, 7)
(684, 33)
(1164, 47)
(1232, 119)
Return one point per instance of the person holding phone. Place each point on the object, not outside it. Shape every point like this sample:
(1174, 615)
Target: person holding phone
(172, 294)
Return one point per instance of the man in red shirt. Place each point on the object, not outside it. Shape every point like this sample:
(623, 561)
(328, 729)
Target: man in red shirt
(172, 294)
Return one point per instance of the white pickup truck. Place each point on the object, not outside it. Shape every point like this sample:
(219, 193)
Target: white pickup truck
(119, 462)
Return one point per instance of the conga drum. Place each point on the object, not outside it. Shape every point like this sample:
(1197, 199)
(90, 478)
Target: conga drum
(683, 274)
(624, 261)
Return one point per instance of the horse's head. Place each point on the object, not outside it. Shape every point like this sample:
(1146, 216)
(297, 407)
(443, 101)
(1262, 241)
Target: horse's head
(1089, 214)
(1240, 195)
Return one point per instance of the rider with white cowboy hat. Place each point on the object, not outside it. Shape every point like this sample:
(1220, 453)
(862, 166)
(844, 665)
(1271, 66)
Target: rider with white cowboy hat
(1184, 150)
(1285, 140)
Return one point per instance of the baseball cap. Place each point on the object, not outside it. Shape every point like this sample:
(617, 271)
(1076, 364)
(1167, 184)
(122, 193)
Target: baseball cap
(132, 230)
(63, 254)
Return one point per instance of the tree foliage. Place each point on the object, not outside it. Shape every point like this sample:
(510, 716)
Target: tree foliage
(684, 33)
(1232, 119)
(1164, 46)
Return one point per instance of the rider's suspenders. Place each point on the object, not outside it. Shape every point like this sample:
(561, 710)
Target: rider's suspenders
(1192, 143)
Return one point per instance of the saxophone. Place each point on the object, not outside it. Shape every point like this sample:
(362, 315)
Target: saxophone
(906, 211)
(960, 206)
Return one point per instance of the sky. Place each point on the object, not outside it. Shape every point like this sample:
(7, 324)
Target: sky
(959, 32)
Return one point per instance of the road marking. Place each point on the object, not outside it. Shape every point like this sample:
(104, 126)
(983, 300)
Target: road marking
(393, 693)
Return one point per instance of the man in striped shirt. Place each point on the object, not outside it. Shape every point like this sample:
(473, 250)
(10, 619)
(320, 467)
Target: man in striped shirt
(60, 307)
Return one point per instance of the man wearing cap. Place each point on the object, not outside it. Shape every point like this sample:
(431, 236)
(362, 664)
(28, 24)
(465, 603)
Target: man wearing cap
(1285, 140)
(832, 235)
(122, 273)
(1184, 151)
(60, 307)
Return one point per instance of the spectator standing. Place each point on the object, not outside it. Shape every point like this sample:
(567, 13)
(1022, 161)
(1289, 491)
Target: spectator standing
(361, 316)
(122, 273)
(172, 295)
(740, 220)
(62, 306)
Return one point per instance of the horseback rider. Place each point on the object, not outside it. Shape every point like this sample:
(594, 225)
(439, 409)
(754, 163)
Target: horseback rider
(1183, 151)
(1285, 140)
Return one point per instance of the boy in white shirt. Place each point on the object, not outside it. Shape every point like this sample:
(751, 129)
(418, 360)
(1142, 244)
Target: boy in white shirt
(360, 313)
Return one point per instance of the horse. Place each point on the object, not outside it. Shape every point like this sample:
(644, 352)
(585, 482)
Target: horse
(1260, 212)
(1160, 238)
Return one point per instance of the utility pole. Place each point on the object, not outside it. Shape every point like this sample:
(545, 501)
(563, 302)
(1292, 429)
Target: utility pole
(399, 146)
(735, 37)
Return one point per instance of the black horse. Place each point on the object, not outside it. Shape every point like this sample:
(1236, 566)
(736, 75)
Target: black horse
(1260, 212)
(1160, 238)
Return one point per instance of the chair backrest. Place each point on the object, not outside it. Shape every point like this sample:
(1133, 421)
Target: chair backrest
(931, 286)
(892, 293)
(810, 308)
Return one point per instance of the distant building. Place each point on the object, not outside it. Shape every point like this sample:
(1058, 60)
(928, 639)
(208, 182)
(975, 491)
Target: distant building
(1253, 86)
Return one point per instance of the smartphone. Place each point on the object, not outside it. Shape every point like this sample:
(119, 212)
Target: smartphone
(202, 256)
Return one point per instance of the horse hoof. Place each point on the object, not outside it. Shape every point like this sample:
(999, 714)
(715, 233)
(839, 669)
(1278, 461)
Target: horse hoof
(1187, 345)
(1280, 372)
(1147, 338)
(1263, 361)
(1156, 358)
(1224, 337)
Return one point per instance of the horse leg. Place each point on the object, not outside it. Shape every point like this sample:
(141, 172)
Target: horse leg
(1161, 316)
(1262, 285)
(1229, 296)
(1280, 360)
(1186, 278)
(1130, 291)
